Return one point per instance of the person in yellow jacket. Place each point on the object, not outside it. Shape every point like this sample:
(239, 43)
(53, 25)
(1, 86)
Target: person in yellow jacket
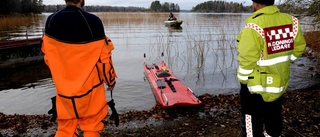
(78, 54)
(267, 45)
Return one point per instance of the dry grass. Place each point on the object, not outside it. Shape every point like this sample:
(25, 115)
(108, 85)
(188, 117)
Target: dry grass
(313, 40)
(131, 17)
(313, 46)
(15, 22)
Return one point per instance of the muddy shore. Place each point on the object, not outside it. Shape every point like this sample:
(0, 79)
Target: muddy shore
(218, 116)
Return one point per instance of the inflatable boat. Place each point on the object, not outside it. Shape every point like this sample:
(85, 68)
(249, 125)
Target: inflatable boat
(173, 23)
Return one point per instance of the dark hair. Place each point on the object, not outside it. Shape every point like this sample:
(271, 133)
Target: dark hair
(264, 2)
(72, 1)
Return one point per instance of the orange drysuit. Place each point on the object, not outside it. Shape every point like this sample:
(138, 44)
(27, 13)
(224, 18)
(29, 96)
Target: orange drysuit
(79, 72)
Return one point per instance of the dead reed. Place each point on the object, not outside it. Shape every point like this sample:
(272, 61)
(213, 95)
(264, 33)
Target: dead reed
(204, 45)
(131, 17)
(8, 23)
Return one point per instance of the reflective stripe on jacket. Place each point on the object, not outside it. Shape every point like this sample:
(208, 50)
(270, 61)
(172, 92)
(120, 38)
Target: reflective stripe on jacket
(267, 45)
(79, 72)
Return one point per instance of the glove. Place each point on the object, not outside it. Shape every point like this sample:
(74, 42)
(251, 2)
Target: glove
(53, 110)
(114, 116)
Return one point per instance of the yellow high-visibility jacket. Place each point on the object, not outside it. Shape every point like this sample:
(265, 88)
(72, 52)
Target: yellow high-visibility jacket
(270, 41)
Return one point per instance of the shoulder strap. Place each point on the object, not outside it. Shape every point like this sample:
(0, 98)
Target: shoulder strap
(111, 94)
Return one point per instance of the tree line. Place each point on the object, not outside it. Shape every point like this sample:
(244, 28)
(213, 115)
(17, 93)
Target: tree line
(221, 7)
(53, 8)
(310, 8)
(10, 7)
(305, 7)
(156, 6)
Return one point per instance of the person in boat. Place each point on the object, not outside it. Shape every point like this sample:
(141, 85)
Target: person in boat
(171, 17)
(270, 41)
(78, 54)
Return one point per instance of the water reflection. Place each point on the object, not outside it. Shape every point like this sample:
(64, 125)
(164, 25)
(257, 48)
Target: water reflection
(25, 76)
(174, 29)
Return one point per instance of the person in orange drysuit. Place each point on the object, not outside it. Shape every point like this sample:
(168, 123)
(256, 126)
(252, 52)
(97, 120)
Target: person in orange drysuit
(78, 54)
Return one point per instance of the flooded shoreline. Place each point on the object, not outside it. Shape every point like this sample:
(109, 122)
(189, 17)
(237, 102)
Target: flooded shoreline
(202, 54)
(33, 96)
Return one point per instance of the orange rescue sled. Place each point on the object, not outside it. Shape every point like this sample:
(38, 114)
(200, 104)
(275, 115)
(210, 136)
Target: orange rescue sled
(167, 88)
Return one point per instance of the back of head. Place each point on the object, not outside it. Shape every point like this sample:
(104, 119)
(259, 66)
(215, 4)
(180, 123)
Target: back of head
(264, 2)
(72, 1)
(78, 3)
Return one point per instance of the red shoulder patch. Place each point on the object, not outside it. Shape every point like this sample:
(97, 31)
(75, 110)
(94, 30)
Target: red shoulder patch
(279, 39)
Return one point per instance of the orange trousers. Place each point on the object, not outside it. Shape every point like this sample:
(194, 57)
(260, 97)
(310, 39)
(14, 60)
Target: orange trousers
(90, 126)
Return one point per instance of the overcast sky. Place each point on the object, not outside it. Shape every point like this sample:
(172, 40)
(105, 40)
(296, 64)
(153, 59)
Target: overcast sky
(184, 4)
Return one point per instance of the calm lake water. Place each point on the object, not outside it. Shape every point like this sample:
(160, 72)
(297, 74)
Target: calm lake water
(202, 54)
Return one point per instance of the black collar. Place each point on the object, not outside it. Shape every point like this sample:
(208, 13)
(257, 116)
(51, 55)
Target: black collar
(257, 15)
